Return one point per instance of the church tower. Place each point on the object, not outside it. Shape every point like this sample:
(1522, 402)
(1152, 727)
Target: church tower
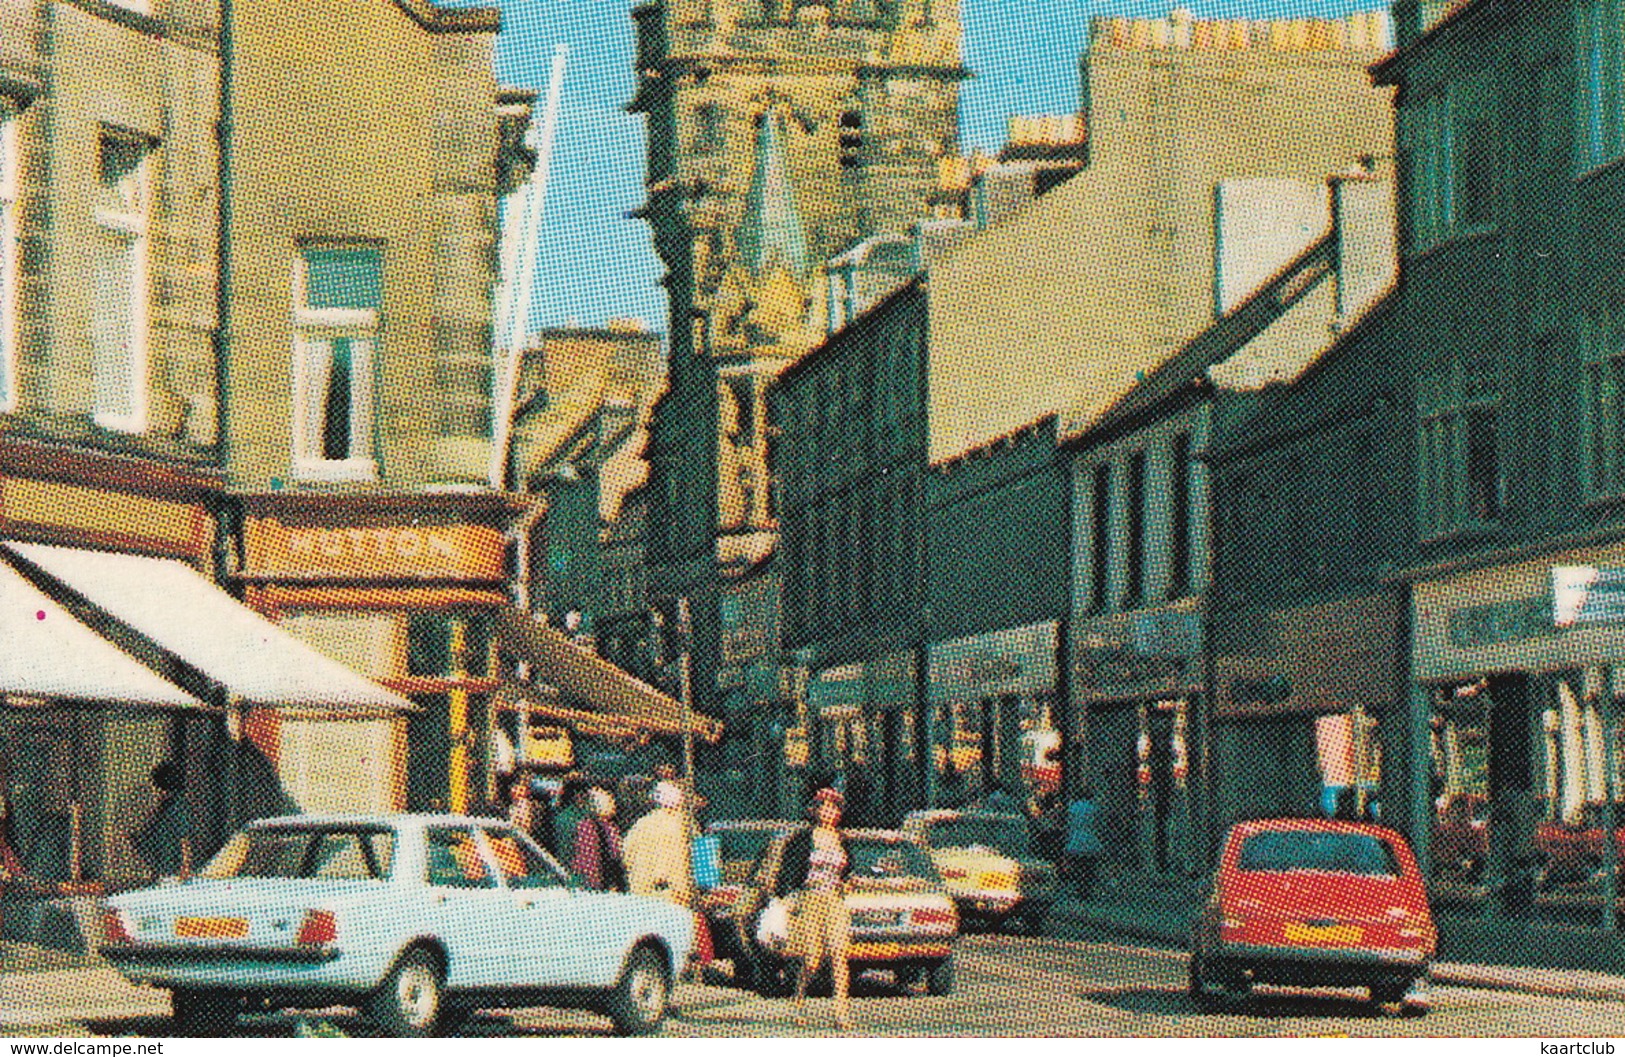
(780, 132)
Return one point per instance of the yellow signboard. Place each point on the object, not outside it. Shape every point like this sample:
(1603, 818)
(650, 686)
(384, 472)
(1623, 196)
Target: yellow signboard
(117, 517)
(449, 552)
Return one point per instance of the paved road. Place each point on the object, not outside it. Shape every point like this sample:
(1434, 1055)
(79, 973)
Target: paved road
(1012, 985)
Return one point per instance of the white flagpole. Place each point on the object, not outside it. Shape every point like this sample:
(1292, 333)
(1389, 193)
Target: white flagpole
(513, 315)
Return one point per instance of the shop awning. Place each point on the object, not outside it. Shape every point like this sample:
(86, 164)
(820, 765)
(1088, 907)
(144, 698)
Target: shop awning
(46, 652)
(175, 607)
(514, 697)
(581, 675)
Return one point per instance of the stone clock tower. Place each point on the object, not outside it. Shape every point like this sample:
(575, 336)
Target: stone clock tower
(780, 132)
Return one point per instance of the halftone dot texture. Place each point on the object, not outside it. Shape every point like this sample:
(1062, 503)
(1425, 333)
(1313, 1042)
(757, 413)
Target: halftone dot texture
(1094, 301)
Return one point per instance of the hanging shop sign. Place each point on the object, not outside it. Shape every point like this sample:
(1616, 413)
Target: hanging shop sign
(1587, 594)
(1012, 661)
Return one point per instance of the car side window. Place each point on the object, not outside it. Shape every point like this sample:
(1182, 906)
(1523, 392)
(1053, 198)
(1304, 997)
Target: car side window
(454, 860)
(523, 864)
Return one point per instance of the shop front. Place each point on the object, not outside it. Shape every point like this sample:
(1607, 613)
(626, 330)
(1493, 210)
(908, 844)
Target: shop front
(83, 724)
(1136, 680)
(407, 591)
(750, 683)
(1304, 699)
(993, 703)
(891, 698)
(1519, 678)
(125, 683)
(839, 738)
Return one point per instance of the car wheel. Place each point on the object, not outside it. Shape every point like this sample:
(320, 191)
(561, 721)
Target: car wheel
(638, 1003)
(452, 1020)
(407, 1004)
(772, 978)
(1196, 983)
(204, 1014)
(939, 978)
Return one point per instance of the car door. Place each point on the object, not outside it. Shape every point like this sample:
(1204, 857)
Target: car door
(545, 934)
(471, 911)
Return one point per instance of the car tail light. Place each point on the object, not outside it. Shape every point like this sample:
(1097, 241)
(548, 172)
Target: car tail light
(319, 929)
(113, 928)
(939, 919)
(955, 875)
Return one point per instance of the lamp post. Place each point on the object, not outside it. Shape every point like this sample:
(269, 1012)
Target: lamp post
(686, 694)
(457, 722)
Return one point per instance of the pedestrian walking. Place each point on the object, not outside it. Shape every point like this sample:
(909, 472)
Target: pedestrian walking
(813, 876)
(531, 812)
(573, 807)
(657, 849)
(164, 841)
(1083, 847)
(599, 853)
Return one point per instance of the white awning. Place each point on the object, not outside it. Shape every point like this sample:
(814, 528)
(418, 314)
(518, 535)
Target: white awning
(173, 605)
(46, 652)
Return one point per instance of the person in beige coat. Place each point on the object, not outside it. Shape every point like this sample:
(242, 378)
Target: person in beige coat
(656, 850)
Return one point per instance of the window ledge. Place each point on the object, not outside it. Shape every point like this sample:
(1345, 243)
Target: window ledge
(1598, 171)
(1474, 530)
(120, 424)
(1456, 238)
(1603, 501)
(335, 470)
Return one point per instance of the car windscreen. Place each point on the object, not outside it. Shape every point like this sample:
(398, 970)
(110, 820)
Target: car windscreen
(1007, 836)
(324, 854)
(890, 860)
(1352, 853)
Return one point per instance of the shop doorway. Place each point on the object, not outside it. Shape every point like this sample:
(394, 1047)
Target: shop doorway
(40, 793)
(1113, 768)
(1001, 725)
(1157, 784)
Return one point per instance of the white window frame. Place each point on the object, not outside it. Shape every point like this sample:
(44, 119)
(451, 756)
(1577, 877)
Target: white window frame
(130, 226)
(10, 270)
(1435, 132)
(313, 325)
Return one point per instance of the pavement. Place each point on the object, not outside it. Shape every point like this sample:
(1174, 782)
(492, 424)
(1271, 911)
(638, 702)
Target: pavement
(43, 988)
(1008, 985)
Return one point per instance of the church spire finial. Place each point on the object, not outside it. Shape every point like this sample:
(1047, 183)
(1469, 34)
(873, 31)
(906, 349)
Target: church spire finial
(772, 231)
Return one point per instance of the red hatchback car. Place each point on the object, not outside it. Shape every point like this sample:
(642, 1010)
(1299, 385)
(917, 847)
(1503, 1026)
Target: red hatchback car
(1314, 903)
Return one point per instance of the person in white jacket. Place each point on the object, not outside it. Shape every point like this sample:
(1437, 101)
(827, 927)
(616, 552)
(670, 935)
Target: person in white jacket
(656, 850)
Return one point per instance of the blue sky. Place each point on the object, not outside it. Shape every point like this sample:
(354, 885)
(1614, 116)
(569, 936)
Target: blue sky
(597, 265)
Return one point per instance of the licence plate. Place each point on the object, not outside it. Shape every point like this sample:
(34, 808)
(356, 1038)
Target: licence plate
(211, 928)
(1323, 935)
(877, 917)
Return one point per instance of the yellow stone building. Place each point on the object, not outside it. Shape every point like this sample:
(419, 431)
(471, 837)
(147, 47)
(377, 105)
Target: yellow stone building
(1063, 304)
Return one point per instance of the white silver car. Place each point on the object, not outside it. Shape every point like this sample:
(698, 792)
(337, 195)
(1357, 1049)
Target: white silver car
(416, 919)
